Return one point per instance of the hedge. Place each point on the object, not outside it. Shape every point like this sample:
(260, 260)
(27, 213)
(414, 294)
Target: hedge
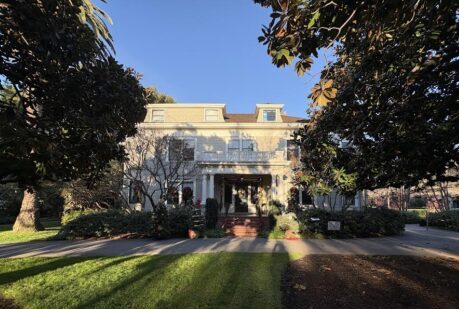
(113, 223)
(372, 222)
(448, 219)
(211, 213)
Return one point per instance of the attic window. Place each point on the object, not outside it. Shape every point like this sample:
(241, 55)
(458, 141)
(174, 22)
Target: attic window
(269, 115)
(211, 115)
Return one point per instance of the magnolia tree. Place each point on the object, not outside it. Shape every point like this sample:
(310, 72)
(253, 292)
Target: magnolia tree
(158, 164)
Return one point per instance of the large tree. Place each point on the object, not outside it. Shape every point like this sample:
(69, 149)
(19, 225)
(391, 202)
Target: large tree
(66, 104)
(390, 92)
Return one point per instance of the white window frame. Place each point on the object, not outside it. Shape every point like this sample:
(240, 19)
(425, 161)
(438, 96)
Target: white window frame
(206, 117)
(268, 111)
(248, 140)
(162, 117)
(184, 138)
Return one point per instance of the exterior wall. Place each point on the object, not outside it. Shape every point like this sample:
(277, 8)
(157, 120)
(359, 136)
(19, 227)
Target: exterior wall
(212, 138)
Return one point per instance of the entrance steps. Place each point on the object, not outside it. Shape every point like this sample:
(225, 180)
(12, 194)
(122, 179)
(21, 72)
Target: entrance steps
(242, 225)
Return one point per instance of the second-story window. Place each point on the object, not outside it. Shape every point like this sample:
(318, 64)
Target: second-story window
(211, 114)
(157, 115)
(233, 145)
(293, 150)
(269, 115)
(248, 145)
(182, 149)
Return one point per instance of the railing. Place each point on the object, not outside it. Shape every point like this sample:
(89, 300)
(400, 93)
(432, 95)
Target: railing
(241, 156)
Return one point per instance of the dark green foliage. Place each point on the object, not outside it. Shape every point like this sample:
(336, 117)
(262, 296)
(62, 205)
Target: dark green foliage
(372, 222)
(75, 213)
(412, 216)
(211, 213)
(390, 91)
(113, 223)
(214, 233)
(179, 221)
(448, 219)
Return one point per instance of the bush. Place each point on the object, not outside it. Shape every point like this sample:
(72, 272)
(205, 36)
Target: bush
(113, 223)
(287, 222)
(372, 222)
(70, 215)
(448, 219)
(214, 233)
(179, 221)
(211, 213)
(414, 216)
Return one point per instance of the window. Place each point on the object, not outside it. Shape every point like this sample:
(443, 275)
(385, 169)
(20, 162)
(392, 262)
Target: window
(181, 149)
(269, 115)
(157, 115)
(135, 191)
(293, 151)
(188, 149)
(233, 145)
(211, 114)
(248, 145)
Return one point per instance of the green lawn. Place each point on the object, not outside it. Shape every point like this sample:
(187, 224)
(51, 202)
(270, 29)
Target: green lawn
(8, 236)
(217, 280)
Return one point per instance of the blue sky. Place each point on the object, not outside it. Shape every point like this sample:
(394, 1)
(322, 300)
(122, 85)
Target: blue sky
(202, 51)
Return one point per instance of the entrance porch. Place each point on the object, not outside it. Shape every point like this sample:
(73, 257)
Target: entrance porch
(239, 193)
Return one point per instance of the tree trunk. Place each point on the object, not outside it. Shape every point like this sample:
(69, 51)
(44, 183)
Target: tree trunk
(28, 219)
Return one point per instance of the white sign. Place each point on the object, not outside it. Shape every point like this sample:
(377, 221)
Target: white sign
(334, 225)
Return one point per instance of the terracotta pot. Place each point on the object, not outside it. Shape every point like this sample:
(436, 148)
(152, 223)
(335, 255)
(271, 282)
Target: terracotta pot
(192, 234)
(291, 235)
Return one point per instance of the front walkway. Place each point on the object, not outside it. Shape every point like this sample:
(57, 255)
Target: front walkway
(415, 241)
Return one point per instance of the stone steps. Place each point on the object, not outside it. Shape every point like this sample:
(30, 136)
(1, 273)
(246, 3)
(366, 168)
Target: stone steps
(242, 226)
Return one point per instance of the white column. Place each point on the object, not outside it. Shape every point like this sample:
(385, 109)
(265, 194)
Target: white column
(251, 207)
(180, 191)
(194, 190)
(233, 199)
(204, 189)
(211, 186)
(223, 196)
(273, 187)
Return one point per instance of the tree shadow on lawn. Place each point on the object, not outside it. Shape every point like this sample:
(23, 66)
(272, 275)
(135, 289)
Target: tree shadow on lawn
(198, 280)
(326, 281)
(45, 265)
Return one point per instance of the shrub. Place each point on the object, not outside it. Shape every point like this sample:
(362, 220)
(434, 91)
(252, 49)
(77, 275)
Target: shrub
(180, 220)
(372, 222)
(414, 215)
(211, 213)
(113, 223)
(214, 233)
(70, 215)
(448, 219)
(287, 222)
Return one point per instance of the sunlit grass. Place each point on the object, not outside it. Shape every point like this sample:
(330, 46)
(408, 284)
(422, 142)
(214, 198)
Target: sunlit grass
(8, 236)
(221, 280)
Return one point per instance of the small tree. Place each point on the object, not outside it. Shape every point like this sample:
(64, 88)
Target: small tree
(158, 165)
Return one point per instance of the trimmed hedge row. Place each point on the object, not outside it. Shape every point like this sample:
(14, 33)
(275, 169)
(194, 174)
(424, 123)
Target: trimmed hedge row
(372, 222)
(113, 223)
(448, 220)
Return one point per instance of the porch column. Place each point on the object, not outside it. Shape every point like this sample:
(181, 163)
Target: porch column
(273, 187)
(233, 199)
(204, 189)
(223, 196)
(211, 186)
(180, 194)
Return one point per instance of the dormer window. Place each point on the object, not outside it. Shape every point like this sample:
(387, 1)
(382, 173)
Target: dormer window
(269, 115)
(157, 115)
(211, 114)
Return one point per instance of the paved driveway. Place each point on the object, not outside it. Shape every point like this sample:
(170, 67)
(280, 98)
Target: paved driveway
(415, 241)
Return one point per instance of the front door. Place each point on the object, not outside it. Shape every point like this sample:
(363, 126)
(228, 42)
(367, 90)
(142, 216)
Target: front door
(242, 198)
